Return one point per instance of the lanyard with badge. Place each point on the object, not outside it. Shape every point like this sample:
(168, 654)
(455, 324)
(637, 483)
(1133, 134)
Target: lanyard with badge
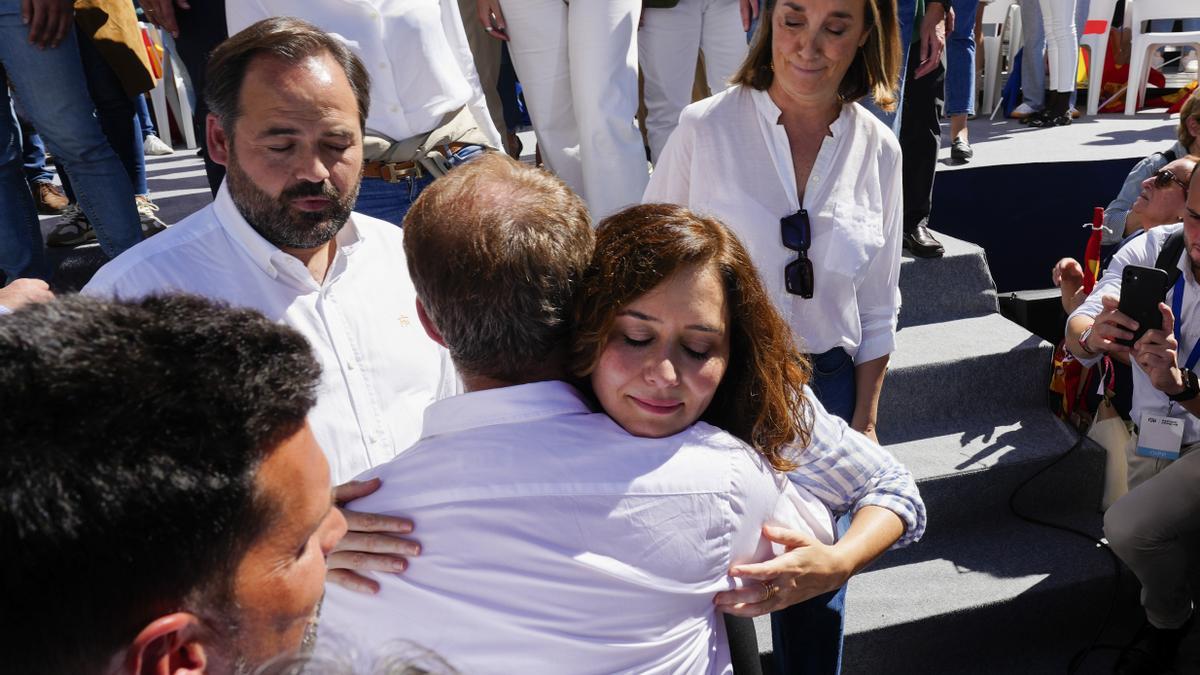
(1161, 436)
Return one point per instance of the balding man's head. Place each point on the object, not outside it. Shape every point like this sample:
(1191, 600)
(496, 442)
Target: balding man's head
(496, 249)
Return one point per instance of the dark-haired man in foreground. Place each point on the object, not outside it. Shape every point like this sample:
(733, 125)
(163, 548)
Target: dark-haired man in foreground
(166, 507)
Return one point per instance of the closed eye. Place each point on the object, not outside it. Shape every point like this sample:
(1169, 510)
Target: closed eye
(636, 343)
(699, 356)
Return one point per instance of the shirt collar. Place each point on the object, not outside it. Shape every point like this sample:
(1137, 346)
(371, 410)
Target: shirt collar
(506, 405)
(265, 255)
(770, 112)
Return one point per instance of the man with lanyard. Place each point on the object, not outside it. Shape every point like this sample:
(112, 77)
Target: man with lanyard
(428, 111)
(1148, 527)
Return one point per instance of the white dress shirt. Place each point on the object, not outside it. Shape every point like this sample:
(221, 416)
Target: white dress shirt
(729, 158)
(379, 371)
(553, 541)
(416, 52)
(1144, 251)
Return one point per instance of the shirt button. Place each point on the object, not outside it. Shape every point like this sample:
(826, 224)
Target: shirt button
(816, 179)
(350, 365)
(372, 438)
(374, 14)
(395, 108)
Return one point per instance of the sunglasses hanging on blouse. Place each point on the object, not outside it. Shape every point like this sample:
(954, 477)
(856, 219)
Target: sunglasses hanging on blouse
(797, 236)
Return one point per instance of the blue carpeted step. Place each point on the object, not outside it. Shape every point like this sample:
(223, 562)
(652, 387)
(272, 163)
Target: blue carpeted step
(955, 286)
(992, 593)
(966, 467)
(958, 369)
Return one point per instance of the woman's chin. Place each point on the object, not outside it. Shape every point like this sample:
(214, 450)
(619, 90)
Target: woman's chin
(652, 429)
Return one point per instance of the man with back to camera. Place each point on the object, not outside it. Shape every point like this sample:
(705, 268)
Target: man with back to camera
(1151, 526)
(289, 105)
(167, 509)
(553, 536)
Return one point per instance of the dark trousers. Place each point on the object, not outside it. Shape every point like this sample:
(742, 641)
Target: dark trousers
(117, 112)
(920, 139)
(201, 29)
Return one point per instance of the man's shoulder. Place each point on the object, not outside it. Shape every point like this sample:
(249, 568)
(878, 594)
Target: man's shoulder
(164, 260)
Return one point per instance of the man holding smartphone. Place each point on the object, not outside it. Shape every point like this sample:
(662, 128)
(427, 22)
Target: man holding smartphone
(1148, 527)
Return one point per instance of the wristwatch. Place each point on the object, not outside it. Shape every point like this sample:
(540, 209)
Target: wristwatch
(1083, 338)
(1191, 388)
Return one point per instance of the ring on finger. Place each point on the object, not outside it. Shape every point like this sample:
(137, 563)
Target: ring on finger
(772, 591)
(489, 29)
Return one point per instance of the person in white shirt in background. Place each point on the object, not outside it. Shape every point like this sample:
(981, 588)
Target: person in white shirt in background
(577, 63)
(281, 238)
(428, 112)
(810, 181)
(672, 32)
(554, 538)
(1152, 527)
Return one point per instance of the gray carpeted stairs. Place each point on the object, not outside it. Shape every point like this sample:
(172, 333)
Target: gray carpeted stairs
(964, 407)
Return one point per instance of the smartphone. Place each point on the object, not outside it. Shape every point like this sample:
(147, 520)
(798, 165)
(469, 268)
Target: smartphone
(1142, 288)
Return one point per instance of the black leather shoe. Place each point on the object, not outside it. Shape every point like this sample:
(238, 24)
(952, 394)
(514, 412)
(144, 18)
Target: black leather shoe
(1152, 651)
(960, 151)
(920, 242)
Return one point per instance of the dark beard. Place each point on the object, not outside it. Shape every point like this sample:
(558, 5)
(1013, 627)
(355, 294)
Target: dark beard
(280, 223)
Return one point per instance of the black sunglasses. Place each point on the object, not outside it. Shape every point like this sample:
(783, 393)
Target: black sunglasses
(797, 236)
(1164, 176)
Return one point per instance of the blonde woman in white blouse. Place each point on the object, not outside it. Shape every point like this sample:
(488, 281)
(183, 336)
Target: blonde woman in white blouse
(787, 146)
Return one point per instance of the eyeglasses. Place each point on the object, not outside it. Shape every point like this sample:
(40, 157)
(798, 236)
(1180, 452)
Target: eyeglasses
(797, 236)
(1164, 176)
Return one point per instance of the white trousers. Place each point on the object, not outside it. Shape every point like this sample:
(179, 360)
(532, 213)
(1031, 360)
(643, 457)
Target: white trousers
(577, 64)
(1062, 45)
(667, 43)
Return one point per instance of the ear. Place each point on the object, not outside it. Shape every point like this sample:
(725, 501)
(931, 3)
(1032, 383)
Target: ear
(1193, 127)
(218, 140)
(170, 645)
(427, 323)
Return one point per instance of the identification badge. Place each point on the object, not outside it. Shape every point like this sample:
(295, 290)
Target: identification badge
(1160, 436)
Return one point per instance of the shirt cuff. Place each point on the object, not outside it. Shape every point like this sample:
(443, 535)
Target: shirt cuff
(912, 514)
(875, 345)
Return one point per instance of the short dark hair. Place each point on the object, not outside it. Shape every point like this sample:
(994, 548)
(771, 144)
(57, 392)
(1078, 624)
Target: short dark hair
(286, 38)
(132, 433)
(496, 249)
(874, 71)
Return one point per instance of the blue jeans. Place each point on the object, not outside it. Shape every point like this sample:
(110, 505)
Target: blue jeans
(1033, 40)
(807, 637)
(53, 92)
(33, 152)
(143, 116)
(906, 13)
(960, 60)
(390, 201)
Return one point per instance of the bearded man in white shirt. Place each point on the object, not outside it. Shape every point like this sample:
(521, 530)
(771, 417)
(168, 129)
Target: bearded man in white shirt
(288, 105)
(1153, 526)
(428, 111)
(554, 539)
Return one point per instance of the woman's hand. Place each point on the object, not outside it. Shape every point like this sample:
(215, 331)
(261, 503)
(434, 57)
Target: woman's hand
(808, 569)
(749, 12)
(492, 18)
(371, 542)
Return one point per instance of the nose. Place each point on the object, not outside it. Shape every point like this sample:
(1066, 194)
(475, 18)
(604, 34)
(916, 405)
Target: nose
(661, 372)
(311, 167)
(335, 529)
(1149, 183)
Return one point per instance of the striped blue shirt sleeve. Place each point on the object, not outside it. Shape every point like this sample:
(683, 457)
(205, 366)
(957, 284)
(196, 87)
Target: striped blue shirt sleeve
(847, 471)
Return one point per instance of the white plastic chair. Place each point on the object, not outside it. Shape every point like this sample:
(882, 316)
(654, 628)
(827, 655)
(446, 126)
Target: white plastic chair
(173, 90)
(999, 17)
(1139, 60)
(1095, 40)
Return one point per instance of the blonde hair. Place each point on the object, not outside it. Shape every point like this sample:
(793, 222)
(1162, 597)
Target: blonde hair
(875, 69)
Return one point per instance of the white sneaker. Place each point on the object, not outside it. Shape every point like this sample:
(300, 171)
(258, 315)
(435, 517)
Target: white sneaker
(1191, 64)
(1022, 111)
(146, 209)
(153, 145)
